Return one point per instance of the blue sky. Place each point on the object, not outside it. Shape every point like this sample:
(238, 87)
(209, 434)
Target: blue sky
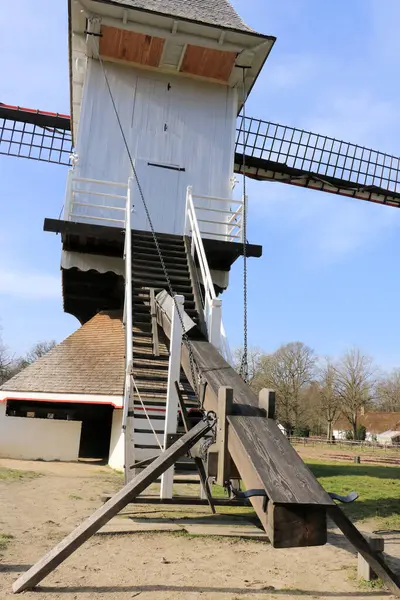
(329, 272)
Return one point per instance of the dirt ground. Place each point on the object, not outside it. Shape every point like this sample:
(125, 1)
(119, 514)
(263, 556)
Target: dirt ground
(40, 511)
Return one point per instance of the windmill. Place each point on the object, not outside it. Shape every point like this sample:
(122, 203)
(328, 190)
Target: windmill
(150, 228)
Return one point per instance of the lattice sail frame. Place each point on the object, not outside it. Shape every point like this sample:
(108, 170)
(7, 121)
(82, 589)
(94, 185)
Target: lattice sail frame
(304, 158)
(34, 134)
(272, 152)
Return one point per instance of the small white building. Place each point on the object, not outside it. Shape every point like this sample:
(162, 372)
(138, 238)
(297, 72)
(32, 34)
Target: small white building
(381, 427)
(68, 404)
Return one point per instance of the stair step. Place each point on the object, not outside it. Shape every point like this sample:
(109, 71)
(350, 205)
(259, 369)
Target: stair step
(156, 270)
(145, 375)
(148, 252)
(158, 398)
(155, 260)
(161, 285)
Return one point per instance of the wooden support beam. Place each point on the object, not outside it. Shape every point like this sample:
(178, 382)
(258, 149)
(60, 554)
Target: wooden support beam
(373, 557)
(364, 570)
(267, 402)
(263, 456)
(102, 515)
(225, 408)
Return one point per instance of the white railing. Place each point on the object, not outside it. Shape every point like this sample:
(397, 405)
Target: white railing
(219, 218)
(128, 308)
(212, 305)
(88, 200)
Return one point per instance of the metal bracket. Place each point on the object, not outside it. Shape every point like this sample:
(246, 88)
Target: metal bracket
(251, 494)
(345, 499)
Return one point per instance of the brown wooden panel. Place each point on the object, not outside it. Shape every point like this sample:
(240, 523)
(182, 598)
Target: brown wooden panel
(205, 62)
(130, 46)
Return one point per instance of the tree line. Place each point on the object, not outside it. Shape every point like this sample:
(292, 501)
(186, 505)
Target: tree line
(312, 392)
(11, 364)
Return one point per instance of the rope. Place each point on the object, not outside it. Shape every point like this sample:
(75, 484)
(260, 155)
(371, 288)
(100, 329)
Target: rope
(244, 367)
(166, 275)
(147, 414)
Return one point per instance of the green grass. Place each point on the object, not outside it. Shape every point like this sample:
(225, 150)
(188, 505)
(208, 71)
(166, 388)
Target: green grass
(16, 475)
(378, 488)
(5, 539)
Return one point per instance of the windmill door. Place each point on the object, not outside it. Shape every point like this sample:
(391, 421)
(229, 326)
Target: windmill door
(163, 188)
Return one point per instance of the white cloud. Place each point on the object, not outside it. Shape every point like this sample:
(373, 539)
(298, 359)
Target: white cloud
(21, 284)
(288, 71)
(327, 227)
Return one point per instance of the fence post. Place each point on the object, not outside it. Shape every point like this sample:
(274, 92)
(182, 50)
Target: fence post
(214, 330)
(174, 370)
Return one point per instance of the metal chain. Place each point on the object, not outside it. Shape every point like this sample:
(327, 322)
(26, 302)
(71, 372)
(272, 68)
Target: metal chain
(154, 235)
(244, 367)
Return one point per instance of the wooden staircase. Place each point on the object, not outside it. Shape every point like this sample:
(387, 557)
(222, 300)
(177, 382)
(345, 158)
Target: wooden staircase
(151, 372)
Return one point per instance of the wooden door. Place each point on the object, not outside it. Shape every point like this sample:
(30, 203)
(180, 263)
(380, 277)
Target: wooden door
(163, 188)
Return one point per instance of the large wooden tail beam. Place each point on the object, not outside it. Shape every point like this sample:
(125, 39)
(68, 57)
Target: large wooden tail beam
(295, 514)
(81, 534)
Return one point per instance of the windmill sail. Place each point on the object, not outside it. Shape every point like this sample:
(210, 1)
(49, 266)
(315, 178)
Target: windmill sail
(289, 155)
(272, 152)
(35, 134)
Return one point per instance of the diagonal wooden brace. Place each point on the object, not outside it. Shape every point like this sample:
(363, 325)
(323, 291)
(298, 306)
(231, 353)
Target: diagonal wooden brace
(90, 526)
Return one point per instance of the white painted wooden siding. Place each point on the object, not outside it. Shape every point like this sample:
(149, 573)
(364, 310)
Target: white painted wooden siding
(166, 119)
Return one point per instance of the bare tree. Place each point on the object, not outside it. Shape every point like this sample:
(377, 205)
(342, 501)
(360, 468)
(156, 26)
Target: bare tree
(388, 392)
(355, 380)
(6, 363)
(254, 356)
(36, 352)
(288, 371)
(329, 398)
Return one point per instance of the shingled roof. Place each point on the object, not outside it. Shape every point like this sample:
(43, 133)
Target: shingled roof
(219, 13)
(374, 422)
(90, 361)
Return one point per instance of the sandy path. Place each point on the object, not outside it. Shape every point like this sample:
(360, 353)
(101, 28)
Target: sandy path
(159, 566)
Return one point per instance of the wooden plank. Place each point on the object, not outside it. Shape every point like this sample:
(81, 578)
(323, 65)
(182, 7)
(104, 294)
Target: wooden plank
(267, 402)
(373, 557)
(131, 46)
(225, 406)
(263, 456)
(102, 515)
(209, 63)
(287, 479)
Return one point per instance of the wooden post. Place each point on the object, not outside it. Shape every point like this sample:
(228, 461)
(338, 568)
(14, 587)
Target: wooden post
(372, 557)
(364, 570)
(266, 401)
(102, 515)
(214, 323)
(225, 407)
(174, 372)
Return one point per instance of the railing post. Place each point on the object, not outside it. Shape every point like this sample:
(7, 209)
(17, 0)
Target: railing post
(174, 371)
(68, 197)
(187, 208)
(128, 322)
(214, 332)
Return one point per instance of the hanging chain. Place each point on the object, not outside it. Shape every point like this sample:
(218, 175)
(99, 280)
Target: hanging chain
(244, 367)
(185, 336)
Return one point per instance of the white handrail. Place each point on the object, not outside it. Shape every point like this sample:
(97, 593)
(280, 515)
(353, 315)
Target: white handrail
(197, 247)
(128, 308)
